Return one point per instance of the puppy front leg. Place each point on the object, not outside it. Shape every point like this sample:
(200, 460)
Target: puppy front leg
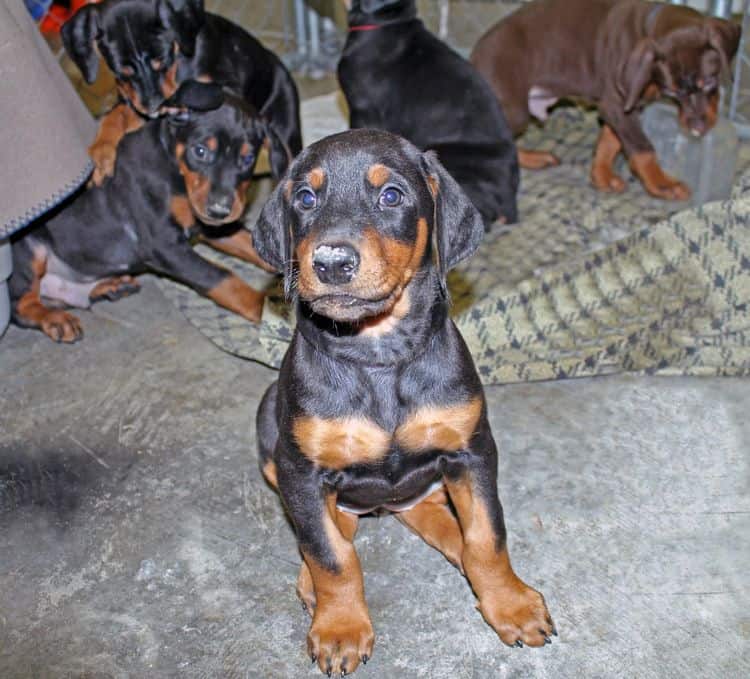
(341, 633)
(179, 261)
(514, 610)
(112, 128)
(641, 155)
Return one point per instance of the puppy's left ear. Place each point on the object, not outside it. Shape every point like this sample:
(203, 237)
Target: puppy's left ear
(279, 155)
(79, 33)
(457, 227)
(185, 18)
(272, 235)
(637, 72)
(724, 37)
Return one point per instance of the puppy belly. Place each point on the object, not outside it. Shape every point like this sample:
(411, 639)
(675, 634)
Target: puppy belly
(73, 294)
(539, 102)
(401, 506)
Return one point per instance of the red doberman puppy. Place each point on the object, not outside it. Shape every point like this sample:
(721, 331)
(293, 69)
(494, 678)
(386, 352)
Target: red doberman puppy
(378, 405)
(617, 54)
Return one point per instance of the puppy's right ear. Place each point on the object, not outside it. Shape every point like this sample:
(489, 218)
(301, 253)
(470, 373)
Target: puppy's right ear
(637, 72)
(79, 34)
(272, 235)
(184, 18)
(195, 96)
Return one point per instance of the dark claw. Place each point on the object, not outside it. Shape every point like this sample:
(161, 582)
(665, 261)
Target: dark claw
(554, 631)
(343, 673)
(547, 640)
(314, 658)
(329, 672)
(518, 643)
(365, 658)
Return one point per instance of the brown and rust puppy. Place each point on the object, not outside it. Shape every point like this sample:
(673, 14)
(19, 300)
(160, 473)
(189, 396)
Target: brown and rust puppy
(617, 54)
(378, 405)
(174, 175)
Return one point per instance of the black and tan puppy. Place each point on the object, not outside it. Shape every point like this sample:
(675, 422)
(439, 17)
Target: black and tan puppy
(397, 76)
(152, 46)
(616, 54)
(173, 176)
(378, 405)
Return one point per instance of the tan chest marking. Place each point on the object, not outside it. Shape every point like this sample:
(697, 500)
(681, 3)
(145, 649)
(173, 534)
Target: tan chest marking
(181, 212)
(448, 428)
(340, 442)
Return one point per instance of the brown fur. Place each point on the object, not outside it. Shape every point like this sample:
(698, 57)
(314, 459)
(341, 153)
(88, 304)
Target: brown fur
(341, 632)
(513, 609)
(236, 295)
(336, 444)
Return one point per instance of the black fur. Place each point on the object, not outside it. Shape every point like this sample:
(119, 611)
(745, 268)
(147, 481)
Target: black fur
(127, 227)
(401, 78)
(130, 34)
(330, 371)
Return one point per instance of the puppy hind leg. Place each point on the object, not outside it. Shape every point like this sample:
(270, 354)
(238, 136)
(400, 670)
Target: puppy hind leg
(433, 520)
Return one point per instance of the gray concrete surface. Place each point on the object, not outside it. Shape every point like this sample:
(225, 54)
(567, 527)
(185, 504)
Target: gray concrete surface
(137, 538)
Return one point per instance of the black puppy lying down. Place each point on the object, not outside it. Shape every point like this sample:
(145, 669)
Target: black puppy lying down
(378, 406)
(172, 173)
(397, 76)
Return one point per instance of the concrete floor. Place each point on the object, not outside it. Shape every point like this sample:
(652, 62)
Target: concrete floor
(137, 538)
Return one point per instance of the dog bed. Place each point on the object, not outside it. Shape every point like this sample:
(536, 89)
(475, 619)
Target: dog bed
(586, 284)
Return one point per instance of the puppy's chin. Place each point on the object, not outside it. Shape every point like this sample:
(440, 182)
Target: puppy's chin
(343, 308)
(210, 221)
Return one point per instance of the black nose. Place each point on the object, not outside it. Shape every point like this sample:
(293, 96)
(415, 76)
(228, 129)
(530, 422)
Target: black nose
(335, 264)
(221, 208)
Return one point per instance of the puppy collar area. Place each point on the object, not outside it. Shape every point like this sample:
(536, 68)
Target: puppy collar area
(373, 27)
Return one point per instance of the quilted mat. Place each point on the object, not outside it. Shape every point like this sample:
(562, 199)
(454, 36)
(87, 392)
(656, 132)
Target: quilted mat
(587, 284)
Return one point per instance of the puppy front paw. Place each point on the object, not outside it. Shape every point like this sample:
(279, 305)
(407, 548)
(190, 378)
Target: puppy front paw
(605, 179)
(519, 615)
(339, 640)
(61, 326)
(657, 182)
(104, 155)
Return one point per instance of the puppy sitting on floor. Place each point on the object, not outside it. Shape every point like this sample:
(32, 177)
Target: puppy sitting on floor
(378, 406)
(615, 53)
(173, 175)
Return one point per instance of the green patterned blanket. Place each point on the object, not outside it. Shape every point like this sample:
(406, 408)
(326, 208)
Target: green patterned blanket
(587, 283)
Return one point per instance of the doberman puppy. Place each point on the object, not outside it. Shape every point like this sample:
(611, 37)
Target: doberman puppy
(617, 54)
(378, 405)
(152, 46)
(173, 174)
(397, 76)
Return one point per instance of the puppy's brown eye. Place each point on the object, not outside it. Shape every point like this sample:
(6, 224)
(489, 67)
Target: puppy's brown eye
(199, 151)
(391, 197)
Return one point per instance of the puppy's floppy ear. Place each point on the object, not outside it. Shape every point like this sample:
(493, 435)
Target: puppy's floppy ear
(457, 226)
(272, 235)
(724, 37)
(195, 96)
(279, 155)
(637, 72)
(79, 34)
(185, 18)
(371, 6)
